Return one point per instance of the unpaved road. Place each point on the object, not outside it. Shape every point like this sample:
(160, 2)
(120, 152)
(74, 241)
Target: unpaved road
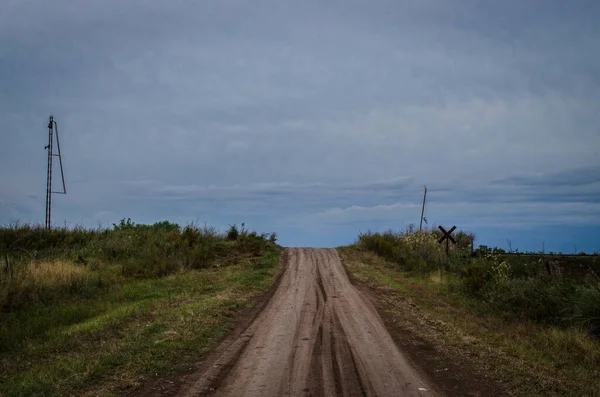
(317, 336)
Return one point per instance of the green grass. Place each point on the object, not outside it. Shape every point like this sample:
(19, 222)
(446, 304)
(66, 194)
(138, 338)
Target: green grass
(531, 359)
(149, 301)
(143, 328)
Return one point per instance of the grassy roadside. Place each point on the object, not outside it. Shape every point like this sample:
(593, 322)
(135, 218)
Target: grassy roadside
(112, 339)
(525, 358)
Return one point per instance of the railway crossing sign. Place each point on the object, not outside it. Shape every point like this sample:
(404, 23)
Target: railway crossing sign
(447, 236)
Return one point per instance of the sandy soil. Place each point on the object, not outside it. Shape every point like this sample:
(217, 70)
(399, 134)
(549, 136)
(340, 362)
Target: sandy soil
(317, 336)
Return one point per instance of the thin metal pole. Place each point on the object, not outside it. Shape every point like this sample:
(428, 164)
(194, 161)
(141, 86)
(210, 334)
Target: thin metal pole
(423, 209)
(49, 175)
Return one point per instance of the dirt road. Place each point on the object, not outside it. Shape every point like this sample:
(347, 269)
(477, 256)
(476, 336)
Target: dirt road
(317, 336)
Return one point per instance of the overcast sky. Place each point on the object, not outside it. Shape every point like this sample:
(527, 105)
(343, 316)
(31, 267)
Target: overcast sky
(315, 119)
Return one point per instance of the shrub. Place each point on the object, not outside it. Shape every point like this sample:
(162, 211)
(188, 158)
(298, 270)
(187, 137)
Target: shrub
(273, 237)
(537, 299)
(233, 233)
(464, 239)
(585, 305)
(475, 278)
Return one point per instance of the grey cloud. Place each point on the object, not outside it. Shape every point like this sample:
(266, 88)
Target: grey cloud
(262, 190)
(282, 111)
(571, 177)
(467, 214)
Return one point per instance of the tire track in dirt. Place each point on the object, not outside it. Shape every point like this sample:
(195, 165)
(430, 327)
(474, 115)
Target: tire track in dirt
(317, 336)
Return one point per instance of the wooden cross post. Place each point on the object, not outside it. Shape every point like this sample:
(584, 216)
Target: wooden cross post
(448, 237)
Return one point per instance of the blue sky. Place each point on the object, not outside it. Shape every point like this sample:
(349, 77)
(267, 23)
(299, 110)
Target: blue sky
(313, 119)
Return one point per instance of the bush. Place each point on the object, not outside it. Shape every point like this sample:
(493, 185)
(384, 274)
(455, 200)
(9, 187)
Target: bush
(464, 240)
(233, 233)
(273, 237)
(475, 278)
(585, 305)
(537, 299)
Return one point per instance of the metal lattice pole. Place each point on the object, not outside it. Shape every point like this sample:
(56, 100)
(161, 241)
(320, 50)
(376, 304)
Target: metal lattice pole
(52, 130)
(49, 174)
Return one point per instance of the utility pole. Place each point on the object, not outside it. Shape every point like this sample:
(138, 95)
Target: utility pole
(52, 130)
(423, 209)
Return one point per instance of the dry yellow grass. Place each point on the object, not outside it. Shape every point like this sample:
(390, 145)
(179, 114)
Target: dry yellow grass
(56, 272)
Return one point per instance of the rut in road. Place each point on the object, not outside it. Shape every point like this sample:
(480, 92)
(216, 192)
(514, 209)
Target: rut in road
(318, 336)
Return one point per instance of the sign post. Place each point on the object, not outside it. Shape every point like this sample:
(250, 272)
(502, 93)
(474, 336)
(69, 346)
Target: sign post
(448, 237)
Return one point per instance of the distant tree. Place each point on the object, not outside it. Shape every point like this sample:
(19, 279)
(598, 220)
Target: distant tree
(273, 237)
(124, 224)
(233, 233)
(464, 239)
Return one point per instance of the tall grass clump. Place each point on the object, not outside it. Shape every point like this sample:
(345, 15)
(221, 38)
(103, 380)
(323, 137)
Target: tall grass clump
(43, 281)
(586, 306)
(416, 251)
(56, 272)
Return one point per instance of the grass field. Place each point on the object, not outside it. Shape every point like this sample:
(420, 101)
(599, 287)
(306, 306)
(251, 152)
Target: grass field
(69, 328)
(528, 355)
(546, 289)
